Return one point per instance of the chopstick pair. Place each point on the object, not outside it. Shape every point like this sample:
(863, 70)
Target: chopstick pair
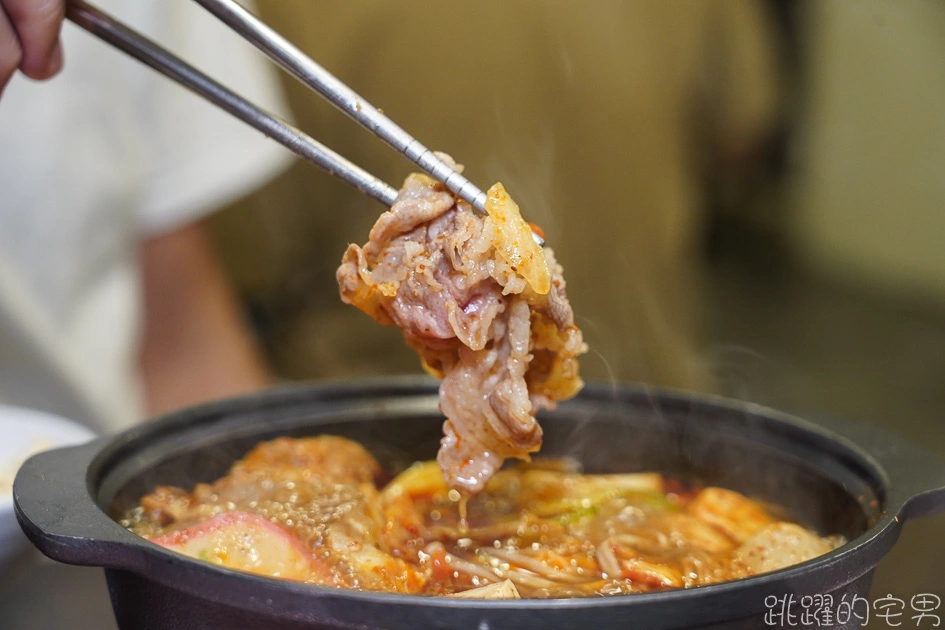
(303, 68)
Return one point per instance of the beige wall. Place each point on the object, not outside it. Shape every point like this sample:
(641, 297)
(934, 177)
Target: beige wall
(870, 195)
(587, 113)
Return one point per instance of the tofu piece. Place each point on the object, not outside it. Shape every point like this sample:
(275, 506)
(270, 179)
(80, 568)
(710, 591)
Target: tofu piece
(731, 513)
(499, 590)
(780, 545)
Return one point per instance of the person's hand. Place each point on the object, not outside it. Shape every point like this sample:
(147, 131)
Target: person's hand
(29, 38)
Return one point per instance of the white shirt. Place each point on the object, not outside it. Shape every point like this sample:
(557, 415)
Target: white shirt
(108, 153)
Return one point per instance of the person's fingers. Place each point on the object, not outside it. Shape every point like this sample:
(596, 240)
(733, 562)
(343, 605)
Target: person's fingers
(10, 52)
(37, 24)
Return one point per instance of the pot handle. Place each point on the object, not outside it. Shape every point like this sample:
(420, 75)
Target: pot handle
(916, 477)
(60, 515)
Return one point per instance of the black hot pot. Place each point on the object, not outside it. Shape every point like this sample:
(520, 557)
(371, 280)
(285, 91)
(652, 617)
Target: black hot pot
(853, 480)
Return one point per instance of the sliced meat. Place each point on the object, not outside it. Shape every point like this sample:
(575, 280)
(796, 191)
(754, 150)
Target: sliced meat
(485, 308)
(166, 505)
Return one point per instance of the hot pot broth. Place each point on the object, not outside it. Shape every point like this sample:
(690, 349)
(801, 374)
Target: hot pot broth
(311, 510)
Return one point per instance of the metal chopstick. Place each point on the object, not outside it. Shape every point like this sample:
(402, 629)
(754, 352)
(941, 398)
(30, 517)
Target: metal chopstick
(344, 98)
(147, 51)
(291, 58)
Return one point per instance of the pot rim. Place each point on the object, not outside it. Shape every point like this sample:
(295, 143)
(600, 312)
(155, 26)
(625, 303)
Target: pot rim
(106, 538)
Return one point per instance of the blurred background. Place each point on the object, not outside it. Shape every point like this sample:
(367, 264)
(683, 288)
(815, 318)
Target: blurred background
(747, 196)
